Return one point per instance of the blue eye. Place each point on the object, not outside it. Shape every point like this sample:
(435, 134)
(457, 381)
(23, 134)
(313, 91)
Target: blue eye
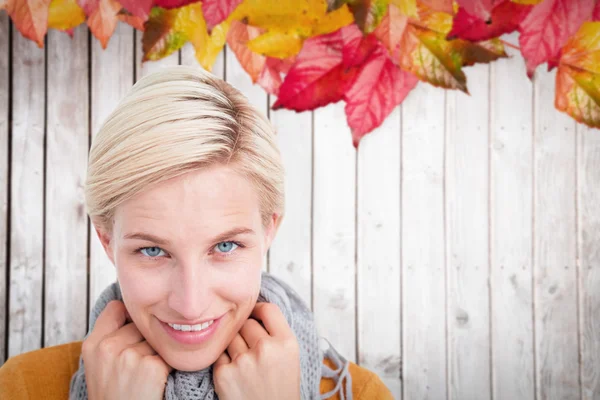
(152, 251)
(226, 247)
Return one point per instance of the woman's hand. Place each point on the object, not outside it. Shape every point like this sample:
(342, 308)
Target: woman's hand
(261, 364)
(119, 363)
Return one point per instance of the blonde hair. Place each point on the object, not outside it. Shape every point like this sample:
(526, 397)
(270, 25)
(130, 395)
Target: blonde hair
(174, 121)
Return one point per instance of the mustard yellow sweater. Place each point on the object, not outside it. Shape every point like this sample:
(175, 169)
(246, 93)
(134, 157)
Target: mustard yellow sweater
(46, 374)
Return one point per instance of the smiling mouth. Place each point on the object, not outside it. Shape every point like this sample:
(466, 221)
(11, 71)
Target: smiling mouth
(189, 328)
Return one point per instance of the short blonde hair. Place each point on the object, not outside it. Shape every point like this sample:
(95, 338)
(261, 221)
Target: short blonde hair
(174, 121)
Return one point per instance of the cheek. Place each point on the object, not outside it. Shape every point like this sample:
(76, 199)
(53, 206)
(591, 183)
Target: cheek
(140, 288)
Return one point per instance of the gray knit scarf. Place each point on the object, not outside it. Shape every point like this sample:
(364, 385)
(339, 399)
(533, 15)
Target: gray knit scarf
(198, 385)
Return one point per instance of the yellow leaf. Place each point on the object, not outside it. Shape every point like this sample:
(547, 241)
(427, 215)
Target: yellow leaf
(276, 44)
(531, 2)
(406, 7)
(207, 54)
(289, 22)
(65, 14)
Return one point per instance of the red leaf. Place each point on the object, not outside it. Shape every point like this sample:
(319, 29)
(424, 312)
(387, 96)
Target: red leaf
(548, 27)
(217, 11)
(596, 12)
(173, 3)
(505, 18)
(479, 8)
(88, 6)
(139, 8)
(319, 77)
(30, 18)
(270, 77)
(379, 87)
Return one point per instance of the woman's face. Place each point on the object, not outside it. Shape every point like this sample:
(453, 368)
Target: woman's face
(190, 250)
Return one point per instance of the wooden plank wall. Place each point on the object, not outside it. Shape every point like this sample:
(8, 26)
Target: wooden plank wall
(456, 253)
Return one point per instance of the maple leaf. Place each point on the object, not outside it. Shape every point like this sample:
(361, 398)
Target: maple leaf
(288, 23)
(319, 76)
(217, 11)
(168, 4)
(578, 76)
(378, 88)
(367, 13)
(30, 18)
(505, 18)
(548, 27)
(139, 8)
(65, 15)
(102, 18)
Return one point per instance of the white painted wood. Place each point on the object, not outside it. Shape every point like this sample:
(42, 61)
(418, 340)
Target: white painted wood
(554, 250)
(588, 197)
(378, 253)
(66, 160)
(144, 68)
(290, 253)
(510, 230)
(4, 106)
(27, 196)
(111, 79)
(423, 263)
(236, 76)
(334, 229)
(467, 266)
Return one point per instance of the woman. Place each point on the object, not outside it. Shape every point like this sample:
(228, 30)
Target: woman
(185, 191)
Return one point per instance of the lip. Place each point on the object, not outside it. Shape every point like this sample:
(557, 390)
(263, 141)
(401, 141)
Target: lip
(192, 337)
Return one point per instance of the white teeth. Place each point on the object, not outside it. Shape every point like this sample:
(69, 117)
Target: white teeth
(187, 328)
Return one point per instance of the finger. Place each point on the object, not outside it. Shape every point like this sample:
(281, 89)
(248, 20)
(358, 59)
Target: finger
(167, 367)
(144, 349)
(273, 320)
(222, 360)
(237, 346)
(110, 320)
(252, 332)
(128, 334)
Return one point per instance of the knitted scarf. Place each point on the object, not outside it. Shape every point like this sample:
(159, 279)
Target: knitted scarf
(198, 385)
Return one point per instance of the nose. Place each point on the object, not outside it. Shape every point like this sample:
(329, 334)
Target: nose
(191, 293)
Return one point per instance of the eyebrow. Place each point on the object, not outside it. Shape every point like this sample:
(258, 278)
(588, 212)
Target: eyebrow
(223, 236)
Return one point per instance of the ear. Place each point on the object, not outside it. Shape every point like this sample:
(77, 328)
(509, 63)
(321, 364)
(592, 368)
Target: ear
(106, 240)
(272, 229)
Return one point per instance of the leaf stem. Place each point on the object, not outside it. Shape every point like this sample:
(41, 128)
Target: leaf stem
(504, 42)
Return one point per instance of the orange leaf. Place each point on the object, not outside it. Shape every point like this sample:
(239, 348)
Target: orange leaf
(30, 18)
(238, 37)
(439, 5)
(391, 29)
(132, 20)
(103, 20)
(578, 76)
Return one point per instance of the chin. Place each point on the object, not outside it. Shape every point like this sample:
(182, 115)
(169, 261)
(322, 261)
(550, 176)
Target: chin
(188, 361)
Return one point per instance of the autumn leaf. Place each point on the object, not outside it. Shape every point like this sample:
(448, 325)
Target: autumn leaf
(527, 2)
(480, 52)
(168, 4)
(505, 18)
(596, 12)
(270, 78)
(548, 27)
(102, 18)
(319, 76)
(130, 19)
(578, 76)
(444, 6)
(391, 30)
(65, 15)
(379, 87)
(217, 11)
(480, 8)
(3, 4)
(367, 13)
(30, 18)
(237, 40)
(161, 37)
(139, 8)
(288, 23)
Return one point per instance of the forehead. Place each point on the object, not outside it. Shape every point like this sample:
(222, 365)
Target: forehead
(210, 199)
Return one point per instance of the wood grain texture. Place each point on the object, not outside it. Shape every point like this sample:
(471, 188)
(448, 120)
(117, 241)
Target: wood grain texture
(334, 230)
(378, 253)
(511, 181)
(27, 196)
(4, 179)
(555, 285)
(290, 253)
(188, 57)
(111, 79)
(467, 211)
(66, 161)
(588, 198)
(423, 263)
